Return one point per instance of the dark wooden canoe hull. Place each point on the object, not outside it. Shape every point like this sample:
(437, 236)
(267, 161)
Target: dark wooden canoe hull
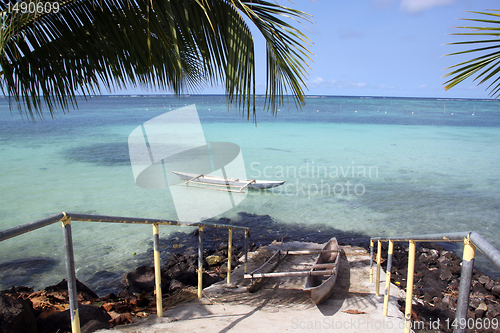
(318, 288)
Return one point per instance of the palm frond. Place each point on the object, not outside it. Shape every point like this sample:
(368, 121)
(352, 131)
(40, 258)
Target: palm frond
(485, 67)
(172, 45)
(286, 46)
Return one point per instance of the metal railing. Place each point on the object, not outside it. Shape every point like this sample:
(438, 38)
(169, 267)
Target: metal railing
(66, 218)
(472, 241)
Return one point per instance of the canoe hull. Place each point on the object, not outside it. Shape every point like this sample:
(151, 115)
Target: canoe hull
(259, 184)
(319, 288)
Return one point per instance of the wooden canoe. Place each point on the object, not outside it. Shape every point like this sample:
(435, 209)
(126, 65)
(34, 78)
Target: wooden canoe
(319, 284)
(230, 182)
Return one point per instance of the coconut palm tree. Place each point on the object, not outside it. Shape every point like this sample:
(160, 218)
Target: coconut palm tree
(51, 53)
(486, 66)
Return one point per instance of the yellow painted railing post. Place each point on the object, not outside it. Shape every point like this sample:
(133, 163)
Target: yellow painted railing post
(70, 272)
(200, 261)
(371, 260)
(246, 251)
(156, 245)
(229, 255)
(379, 260)
(388, 277)
(409, 285)
(465, 286)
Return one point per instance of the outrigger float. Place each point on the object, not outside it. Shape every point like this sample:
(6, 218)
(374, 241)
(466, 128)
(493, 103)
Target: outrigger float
(320, 279)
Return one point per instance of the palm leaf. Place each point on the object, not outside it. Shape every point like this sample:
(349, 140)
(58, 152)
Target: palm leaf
(170, 45)
(485, 67)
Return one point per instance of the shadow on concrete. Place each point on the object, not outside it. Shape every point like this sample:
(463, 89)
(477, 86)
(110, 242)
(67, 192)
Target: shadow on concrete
(340, 290)
(234, 323)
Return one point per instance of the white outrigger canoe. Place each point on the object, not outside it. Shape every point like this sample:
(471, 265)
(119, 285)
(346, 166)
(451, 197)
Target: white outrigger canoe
(227, 182)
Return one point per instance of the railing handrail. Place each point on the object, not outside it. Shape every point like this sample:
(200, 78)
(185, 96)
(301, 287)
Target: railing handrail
(43, 222)
(486, 248)
(66, 219)
(472, 240)
(479, 242)
(30, 226)
(444, 237)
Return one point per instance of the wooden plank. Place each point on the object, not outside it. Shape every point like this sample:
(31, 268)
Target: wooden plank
(311, 251)
(289, 274)
(330, 265)
(276, 274)
(317, 265)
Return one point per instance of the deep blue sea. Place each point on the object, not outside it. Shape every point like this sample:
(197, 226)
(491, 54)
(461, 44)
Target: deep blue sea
(373, 166)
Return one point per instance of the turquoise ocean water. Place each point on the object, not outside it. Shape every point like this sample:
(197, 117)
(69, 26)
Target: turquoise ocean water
(376, 166)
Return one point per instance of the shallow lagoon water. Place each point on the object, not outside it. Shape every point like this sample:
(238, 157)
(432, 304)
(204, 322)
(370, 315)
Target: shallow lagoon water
(373, 166)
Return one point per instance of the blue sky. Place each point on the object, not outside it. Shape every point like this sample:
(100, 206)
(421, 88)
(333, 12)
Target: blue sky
(380, 47)
(387, 47)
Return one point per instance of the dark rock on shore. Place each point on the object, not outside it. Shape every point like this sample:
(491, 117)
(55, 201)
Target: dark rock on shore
(179, 271)
(92, 318)
(436, 286)
(142, 279)
(48, 309)
(16, 315)
(82, 290)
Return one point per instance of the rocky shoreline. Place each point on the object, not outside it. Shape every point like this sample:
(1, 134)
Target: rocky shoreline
(437, 274)
(46, 311)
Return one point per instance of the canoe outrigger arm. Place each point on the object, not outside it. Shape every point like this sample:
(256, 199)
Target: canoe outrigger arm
(300, 252)
(250, 182)
(190, 180)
